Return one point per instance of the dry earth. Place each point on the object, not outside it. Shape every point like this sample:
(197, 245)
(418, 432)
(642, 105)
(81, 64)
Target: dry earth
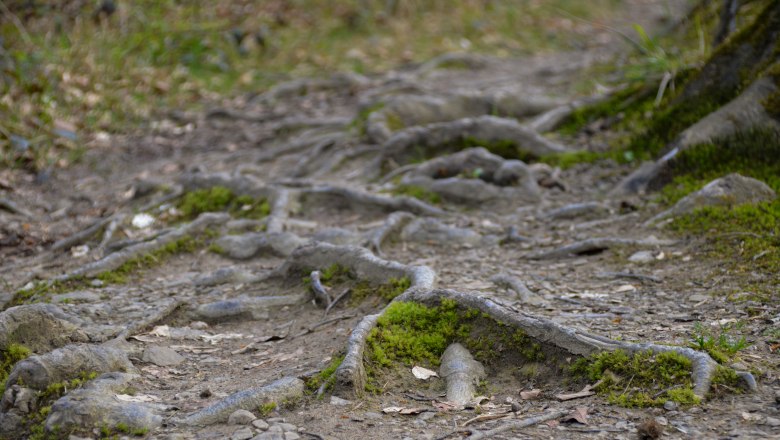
(302, 139)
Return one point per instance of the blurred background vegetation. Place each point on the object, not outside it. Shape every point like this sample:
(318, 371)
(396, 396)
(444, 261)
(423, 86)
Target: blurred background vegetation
(76, 68)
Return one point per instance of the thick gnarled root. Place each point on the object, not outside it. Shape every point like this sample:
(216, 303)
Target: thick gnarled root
(351, 375)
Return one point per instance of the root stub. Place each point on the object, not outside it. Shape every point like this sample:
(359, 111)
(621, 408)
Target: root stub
(544, 336)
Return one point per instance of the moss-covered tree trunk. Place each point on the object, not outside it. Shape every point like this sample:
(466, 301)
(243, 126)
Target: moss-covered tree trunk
(736, 92)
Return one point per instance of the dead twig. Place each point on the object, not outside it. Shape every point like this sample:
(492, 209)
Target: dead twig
(476, 435)
(319, 290)
(322, 323)
(335, 301)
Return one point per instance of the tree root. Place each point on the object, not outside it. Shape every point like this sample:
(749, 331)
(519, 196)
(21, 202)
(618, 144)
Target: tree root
(596, 245)
(335, 197)
(117, 259)
(359, 261)
(251, 308)
(246, 246)
(39, 327)
(461, 372)
(351, 374)
(283, 390)
(340, 82)
(430, 139)
(392, 225)
(515, 284)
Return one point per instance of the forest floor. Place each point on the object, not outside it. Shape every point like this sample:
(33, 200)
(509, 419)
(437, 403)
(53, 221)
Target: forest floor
(673, 294)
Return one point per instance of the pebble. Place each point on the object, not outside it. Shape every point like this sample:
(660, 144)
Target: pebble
(241, 417)
(642, 257)
(291, 436)
(338, 401)
(372, 415)
(772, 421)
(162, 356)
(242, 434)
(288, 427)
(670, 405)
(260, 424)
(275, 428)
(269, 436)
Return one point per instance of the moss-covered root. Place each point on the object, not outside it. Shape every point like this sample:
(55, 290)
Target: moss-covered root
(352, 375)
(117, 259)
(288, 389)
(359, 261)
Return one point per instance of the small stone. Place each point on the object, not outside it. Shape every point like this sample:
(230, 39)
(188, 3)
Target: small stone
(739, 366)
(291, 436)
(275, 428)
(241, 417)
(288, 427)
(670, 405)
(96, 283)
(260, 424)
(372, 415)
(338, 401)
(162, 356)
(275, 420)
(270, 436)
(662, 421)
(427, 415)
(242, 434)
(642, 257)
(198, 325)
(694, 410)
(772, 421)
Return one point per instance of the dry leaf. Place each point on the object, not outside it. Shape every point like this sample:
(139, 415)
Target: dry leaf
(530, 395)
(446, 406)
(137, 398)
(625, 288)
(162, 331)
(579, 415)
(423, 373)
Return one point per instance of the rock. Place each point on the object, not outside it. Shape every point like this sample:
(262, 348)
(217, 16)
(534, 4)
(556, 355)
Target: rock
(288, 427)
(96, 405)
(291, 436)
(241, 417)
(642, 257)
(68, 363)
(671, 405)
(244, 433)
(162, 356)
(21, 400)
(338, 401)
(260, 424)
(270, 436)
(275, 428)
(245, 246)
(731, 190)
(772, 421)
(39, 327)
(584, 211)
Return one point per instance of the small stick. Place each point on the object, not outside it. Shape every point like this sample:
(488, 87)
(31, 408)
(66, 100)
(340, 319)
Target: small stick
(521, 424)
(319, 290)
(321, 323)
(338, 298)
(108, 234)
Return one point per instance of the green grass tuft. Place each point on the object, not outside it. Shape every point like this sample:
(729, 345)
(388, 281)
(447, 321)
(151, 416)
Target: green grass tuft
(218, 199)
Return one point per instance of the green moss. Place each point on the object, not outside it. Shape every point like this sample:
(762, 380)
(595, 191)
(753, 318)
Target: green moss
(8, 358)
(360, 121)
(504, 148)
(266, 408)
(418, 192)
(217, 249)
(41, 291)
(387, 291)
(121, 274)
(325, 376)
(725, 379)
(219, 198)
(641, 379)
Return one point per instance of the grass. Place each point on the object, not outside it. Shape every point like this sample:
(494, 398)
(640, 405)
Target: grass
(722, 345)
(69, 77)
(8, 358)
(326, 376)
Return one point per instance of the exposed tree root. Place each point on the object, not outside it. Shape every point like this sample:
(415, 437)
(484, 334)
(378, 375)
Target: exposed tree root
(117, 259)
(596, 245)
(351, 374)
(245, 246)
(392, 225)
(403, 145)
(461, 372)
(247, 308)
(340, 197)
(586, 210)
(289, 389)
(39, 327)
(340, 82)
(359, 260)
(515, 284)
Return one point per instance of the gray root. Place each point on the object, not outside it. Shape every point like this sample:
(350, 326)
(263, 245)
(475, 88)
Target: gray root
(488, 129)
(288, 389)
(347, 82)
(586, 210)
(320, 293)
(39, 327)
(461, 372)
(67, 363)
(360, 261)
(335, 197)
(97, 405)
(81, 236)
(596, 245)
(246, 246)
(227, 275)
(13, 207)
(351, 373)
(515, 284)
(392, 225)
(530, 421)
(553, 118)
(117, 259)
(254, 308)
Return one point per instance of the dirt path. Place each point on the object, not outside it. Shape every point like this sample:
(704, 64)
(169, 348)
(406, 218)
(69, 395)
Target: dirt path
(319, 151)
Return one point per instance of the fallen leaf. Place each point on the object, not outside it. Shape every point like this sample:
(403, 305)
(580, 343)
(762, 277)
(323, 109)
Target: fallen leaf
(446, 406)
(530, 395)
(625, 288)
(412, 411)
(423, 373)
(392, 409)
(579, 415)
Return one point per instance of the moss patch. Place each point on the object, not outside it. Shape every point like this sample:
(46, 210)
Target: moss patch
(336, 274)
(219, 198)
(8, 358)
(418, 192)
(325, 377)
(641, 379)
(266, 408)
